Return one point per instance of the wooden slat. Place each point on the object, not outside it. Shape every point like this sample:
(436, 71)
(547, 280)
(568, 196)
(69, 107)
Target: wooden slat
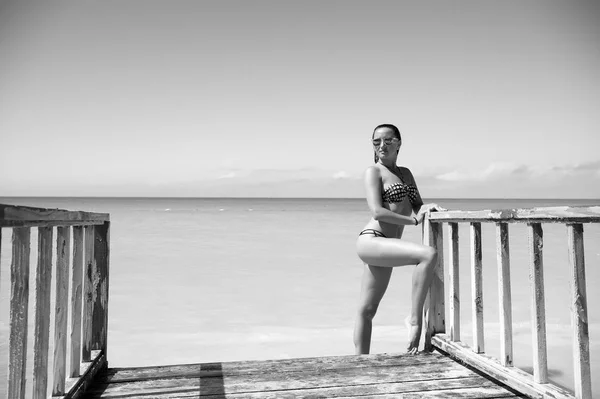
(22, 213)
(63, 249)
(504, 294)
(540, 358)
(88, 288)
(76, 387)
(477, 288)
(454, 282)
(511, 376)
(47, 223)
(556, 214)
(42, 313)
(434, 306)
(76, 301)
(579, 314)
(100, 292)
(19, 302)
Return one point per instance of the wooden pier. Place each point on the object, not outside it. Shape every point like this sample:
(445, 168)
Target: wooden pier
(449, 367)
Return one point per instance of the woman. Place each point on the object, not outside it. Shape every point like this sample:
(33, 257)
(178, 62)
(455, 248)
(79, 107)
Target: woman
(392, 196)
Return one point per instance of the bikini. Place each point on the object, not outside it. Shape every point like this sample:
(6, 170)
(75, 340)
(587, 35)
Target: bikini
(394, 194)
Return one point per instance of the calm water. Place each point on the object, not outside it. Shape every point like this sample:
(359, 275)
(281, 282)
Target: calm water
(200, 280)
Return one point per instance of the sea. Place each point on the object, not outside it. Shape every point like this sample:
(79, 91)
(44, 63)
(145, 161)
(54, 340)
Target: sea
(222, 279)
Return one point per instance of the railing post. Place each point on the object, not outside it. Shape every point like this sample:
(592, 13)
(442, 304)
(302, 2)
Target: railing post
(88, 287)
(42, 313)
(434, 304)
(63, 250)
(100, 293)
(477, 288)
(19, 303)
(579, 316)
(540, 357)
(454, 285)
(76, 300)
(504, 294)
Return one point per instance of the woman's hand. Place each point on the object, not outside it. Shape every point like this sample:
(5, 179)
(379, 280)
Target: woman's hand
(426, 209)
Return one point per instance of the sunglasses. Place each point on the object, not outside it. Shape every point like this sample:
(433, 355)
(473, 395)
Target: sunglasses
(389, 141)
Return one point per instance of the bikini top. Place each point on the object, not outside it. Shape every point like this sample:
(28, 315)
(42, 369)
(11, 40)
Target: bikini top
(398, 191)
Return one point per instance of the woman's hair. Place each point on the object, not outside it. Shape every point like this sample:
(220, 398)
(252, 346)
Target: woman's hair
(394, 130)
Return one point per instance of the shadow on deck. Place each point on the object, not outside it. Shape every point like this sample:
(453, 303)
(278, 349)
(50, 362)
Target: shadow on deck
(427, 375)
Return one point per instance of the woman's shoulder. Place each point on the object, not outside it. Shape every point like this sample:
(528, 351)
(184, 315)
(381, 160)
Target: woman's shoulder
(373, 172)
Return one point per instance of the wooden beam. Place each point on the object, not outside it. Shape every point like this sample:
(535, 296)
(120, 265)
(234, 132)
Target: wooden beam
(63, 249)
(454, 282)
(540, 357)
(76, 301)
(557, 214)
(504, 294)
(434, 308)
(42, 313)
(477, 288)
(27, 213)
(101, 281)
(88, 299)
(579, 314)
(19, 303)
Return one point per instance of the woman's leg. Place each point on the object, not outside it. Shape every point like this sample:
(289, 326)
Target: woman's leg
(374, 283)
(389, 252)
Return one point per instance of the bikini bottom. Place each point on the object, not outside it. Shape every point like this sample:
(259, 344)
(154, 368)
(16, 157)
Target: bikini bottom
(376, 233)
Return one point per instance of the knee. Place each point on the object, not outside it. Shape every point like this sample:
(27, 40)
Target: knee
(368, 311)
(430, 256)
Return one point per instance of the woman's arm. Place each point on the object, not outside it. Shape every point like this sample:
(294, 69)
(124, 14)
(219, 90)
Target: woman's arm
(373, 187)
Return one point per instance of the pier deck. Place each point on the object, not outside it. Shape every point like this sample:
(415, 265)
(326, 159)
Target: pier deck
(427, 375)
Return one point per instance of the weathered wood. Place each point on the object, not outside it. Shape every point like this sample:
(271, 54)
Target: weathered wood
(76, 301)
(434, 308)
(63, 249)
(504, 294)
(88, 294)
(250, 367)
(536, 276)
(16, 213)
(511, 376)
(19, 302)
(557, 214)
(100, 290)
(454, 282)
(302, 381)
(579, 314)
(477, 288)
(47, 223)
(42, 313)
(76, 387)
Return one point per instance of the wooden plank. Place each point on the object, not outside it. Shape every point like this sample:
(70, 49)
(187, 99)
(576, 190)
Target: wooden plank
(77, 387)
(477, 288)
(510, 376)
(579, 315)
(469, 387)
(28, 213)
(504, 294)
(556, 214)
(63, 249)
(76, 301)
(100, 292)
(19, 302)
(42, 313)
(540, 358)
(284, 381)
(46, 223)
(88, 299)
(454, 282)
(288, 366)
(434, 308)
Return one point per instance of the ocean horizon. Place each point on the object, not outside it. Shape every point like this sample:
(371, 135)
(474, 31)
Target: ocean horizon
(233, 278)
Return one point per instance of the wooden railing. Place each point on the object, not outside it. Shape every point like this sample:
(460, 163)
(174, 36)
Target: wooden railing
(502, 369)
(88, 305)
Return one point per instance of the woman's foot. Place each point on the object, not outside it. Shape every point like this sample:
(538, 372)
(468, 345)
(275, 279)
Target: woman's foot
(414, 336)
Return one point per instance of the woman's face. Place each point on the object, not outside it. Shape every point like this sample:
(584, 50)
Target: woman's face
(385, 143)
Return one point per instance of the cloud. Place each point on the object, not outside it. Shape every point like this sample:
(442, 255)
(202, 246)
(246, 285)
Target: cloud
(341, 175)
(228, 175)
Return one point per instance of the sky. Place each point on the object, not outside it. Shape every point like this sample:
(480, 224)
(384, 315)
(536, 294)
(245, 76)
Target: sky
(279, 98)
